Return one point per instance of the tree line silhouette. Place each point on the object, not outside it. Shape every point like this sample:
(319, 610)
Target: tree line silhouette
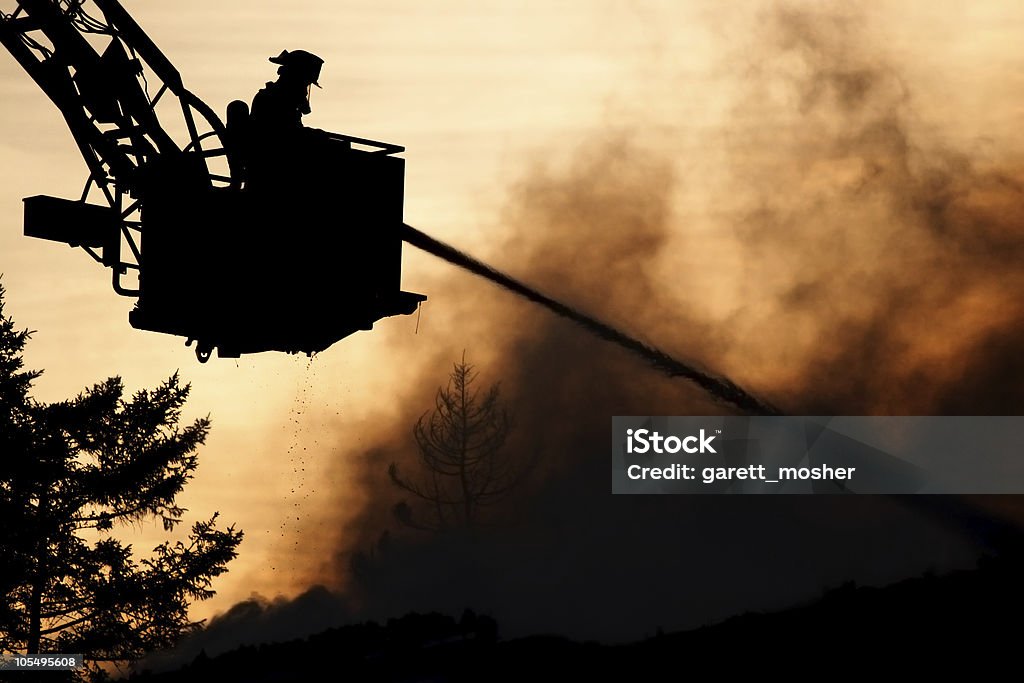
(967, 620)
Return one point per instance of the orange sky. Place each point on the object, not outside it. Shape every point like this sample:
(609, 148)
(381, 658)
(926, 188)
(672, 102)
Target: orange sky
(478, 91)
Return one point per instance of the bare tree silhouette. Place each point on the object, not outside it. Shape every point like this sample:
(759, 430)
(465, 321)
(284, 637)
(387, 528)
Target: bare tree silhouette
(70, 472)
(464, 465)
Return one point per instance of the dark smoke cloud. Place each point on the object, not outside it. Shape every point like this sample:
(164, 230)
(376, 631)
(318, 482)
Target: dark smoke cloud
(878, 273)
(569, 557)
(889, 263)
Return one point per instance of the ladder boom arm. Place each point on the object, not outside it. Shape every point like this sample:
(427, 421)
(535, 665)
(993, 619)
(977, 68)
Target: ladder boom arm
(134, 35)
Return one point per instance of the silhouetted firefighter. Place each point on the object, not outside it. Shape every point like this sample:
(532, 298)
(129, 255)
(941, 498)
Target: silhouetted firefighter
(281, 105)
(277, 149)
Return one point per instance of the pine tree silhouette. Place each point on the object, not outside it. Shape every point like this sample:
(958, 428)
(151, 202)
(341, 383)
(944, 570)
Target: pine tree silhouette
(70, 472)
(464, 465)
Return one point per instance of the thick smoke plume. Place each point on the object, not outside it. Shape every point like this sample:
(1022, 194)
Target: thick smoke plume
(884, 264)
(872, 270)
